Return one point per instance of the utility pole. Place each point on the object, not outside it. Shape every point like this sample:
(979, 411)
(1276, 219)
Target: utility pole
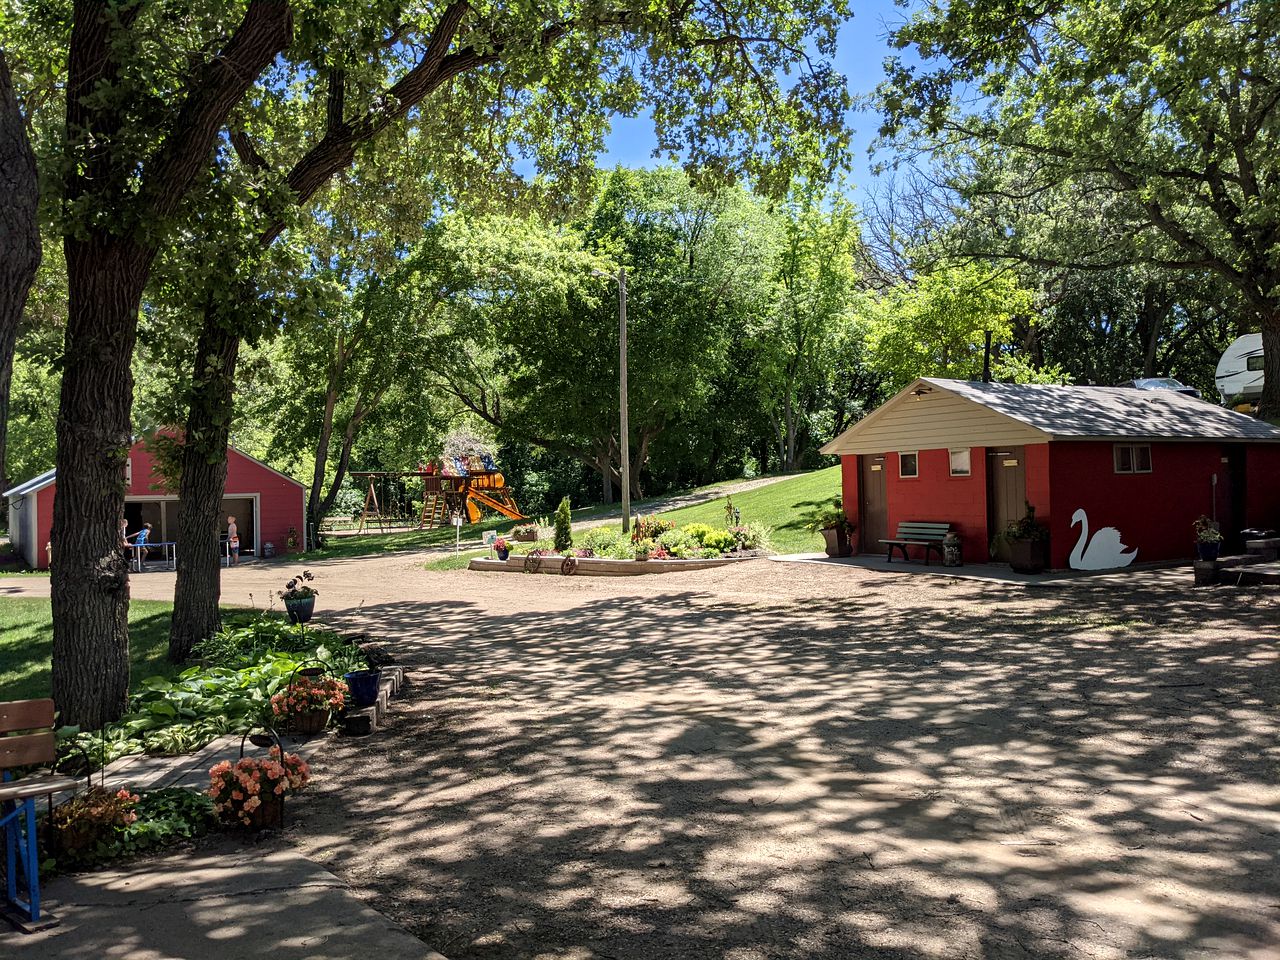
(625, 431)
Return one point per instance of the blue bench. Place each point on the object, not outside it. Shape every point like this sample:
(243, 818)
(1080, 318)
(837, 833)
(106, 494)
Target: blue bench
(26, 739)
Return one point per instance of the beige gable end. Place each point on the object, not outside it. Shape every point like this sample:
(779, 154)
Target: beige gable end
(938, 419)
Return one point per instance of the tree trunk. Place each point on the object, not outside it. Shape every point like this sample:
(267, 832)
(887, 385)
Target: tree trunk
(1269, 406)
(315, 509)
(204, 480)
(19, 238)
(90, 577)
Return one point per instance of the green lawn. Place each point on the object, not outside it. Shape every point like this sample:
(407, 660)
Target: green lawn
(779, 505)
(26, 639)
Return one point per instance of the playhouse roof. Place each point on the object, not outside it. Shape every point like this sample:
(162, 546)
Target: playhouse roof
(32, 485)
(933, 412)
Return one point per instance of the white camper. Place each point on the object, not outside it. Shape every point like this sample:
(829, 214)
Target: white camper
(1239, 372)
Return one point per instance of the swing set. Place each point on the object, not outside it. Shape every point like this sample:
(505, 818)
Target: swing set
(463, 486)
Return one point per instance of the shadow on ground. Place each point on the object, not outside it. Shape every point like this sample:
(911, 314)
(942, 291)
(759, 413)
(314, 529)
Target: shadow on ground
(994, 772)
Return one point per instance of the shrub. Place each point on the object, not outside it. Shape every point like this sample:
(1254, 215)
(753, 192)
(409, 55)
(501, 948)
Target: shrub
(751, 536)
(601, 540)
(721, 541)
(643, 549)
(100, 825)
(675, 540)
(698, 531)
(564, 526)
(650, 528)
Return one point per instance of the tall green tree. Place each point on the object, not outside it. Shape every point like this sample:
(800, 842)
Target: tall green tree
(20, 246)
(479, 86)
(1170, 110)
(160, 104)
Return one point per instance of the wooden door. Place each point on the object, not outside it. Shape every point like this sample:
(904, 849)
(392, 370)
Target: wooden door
(873, 511)
(1006, 494)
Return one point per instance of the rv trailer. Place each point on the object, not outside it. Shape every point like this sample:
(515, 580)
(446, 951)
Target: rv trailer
(1239, 373)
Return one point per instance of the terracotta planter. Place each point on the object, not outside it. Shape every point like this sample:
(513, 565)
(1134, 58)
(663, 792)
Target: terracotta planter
(838, 544)
(1029, 556)
(313, 721)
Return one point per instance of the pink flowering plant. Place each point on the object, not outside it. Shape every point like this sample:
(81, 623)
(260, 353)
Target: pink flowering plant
(307, 694)
(239, 789)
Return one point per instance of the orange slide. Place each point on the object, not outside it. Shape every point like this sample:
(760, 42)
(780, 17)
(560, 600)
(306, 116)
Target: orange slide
(475, 498)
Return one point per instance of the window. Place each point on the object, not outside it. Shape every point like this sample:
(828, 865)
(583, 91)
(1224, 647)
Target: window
(1253, 363)
(1133, 457)
(959, 462)
(908, 465)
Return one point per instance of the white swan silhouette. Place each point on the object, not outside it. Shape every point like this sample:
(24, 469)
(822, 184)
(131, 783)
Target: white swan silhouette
(1104, 551)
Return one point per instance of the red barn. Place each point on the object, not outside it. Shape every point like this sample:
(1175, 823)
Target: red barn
(268, 506)
(1117, 475)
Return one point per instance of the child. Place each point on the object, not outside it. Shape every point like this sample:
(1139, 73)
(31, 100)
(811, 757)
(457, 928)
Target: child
(141, 539)
(233, 541)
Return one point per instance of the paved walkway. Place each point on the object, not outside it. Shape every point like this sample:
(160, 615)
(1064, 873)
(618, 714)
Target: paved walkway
(225, 902)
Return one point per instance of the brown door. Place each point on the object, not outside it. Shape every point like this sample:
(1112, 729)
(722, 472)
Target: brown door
(1006, 494)
(873, 511)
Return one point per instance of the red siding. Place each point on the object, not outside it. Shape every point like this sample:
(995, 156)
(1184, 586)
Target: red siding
(1154, 512)
(280, 500)
(44, 526)
(1262, 486)
(936, 495)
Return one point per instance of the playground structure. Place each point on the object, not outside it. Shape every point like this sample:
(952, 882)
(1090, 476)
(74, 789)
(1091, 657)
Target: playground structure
(463, 486)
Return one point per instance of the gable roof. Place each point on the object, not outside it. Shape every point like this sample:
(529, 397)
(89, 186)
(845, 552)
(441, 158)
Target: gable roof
(32, 485)
(968, 413)
(50, 476)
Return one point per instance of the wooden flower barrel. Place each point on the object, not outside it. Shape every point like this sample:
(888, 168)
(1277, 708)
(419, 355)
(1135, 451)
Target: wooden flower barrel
(269, 815)
(313, 721)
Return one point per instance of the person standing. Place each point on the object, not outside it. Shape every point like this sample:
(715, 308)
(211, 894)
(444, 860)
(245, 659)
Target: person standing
(233, 541)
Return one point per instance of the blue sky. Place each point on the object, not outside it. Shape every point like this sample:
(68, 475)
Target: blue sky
(860, 55)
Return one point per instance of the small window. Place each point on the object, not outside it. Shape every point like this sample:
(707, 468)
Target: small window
(959, 462)
(1253, 363)
(908, 465)
(1133, 458)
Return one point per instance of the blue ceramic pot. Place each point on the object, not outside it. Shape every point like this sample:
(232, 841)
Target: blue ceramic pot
(364, 686)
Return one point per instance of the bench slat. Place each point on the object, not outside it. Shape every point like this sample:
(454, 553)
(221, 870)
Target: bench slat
(25, 715)
(27, 749)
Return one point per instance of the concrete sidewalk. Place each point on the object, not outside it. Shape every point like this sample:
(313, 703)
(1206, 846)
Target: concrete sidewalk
(227, 902)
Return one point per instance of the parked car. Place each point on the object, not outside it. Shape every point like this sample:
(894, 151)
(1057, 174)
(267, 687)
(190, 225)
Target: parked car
(1161, 383)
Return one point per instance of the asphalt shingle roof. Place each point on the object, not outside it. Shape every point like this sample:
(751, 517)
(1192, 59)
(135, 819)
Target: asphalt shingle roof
(1112, 412)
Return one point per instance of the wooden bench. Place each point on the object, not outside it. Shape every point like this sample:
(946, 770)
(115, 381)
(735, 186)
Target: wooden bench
(26, 739)
(918, 533)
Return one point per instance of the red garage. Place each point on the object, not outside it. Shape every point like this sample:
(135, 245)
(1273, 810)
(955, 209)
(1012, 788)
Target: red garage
(1118, 475)
(269, 507)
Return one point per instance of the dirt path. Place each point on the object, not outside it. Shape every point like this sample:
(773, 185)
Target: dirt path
(795, 761)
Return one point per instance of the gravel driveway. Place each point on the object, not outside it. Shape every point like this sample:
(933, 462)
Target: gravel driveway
(796, 761)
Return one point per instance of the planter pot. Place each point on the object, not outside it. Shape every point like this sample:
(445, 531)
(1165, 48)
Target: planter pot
(1208, 551)
(300, 611)
(363, 685)
(503, 554)
(269, 815)
(838, 544)
(1029, 556)
(313, 721)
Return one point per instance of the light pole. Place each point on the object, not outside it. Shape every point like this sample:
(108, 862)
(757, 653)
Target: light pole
(624, 428)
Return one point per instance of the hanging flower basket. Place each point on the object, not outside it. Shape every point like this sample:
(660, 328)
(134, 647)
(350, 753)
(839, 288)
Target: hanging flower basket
(306, 703)
(251, 791)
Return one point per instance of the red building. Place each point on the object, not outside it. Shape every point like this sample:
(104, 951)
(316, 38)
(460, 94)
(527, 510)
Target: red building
(1118, 475)
(269, 507)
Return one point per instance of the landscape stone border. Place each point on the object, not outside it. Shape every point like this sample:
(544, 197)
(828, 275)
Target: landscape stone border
(598, 566)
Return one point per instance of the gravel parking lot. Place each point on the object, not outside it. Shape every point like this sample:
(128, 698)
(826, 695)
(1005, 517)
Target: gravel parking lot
(789, 760)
